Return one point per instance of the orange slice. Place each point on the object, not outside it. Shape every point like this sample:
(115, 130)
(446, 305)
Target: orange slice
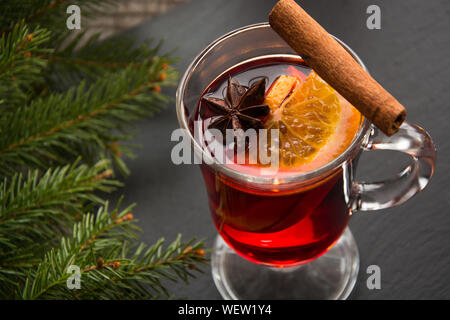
(279, 90)
(306, 119)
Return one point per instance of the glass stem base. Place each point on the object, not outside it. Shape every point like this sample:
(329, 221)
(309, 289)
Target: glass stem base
(332, 276)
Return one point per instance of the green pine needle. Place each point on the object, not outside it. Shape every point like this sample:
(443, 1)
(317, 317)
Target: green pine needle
(56, 129)
(65, 110)
(21, 64)
(110, 264)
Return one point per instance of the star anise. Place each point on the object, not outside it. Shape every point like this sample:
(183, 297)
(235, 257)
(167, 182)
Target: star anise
(241, 107)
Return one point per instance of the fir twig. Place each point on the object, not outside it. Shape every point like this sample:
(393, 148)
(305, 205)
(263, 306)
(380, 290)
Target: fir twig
(105, 265)
(36, 209)
(48, 13)
(57, 128)
(20, 64)
(96, 58)
(47, 130)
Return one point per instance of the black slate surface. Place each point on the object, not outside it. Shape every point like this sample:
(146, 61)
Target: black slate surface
(409, 56)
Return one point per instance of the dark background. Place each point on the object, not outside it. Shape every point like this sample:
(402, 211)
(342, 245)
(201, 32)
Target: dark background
(409, 56)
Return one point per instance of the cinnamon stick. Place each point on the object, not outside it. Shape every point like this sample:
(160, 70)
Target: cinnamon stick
(336, 66)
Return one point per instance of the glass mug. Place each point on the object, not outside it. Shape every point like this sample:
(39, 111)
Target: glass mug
(292, 231)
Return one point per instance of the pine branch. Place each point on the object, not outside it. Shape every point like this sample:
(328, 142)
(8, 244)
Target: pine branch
(57, 129)
(95, 58)
(20, 64)
(22, 10)
(38, 196)
(48, 13)
(116, 52)
(44, 125)
(99, 250)
(77, 248)
(144, 275)
(36, 210)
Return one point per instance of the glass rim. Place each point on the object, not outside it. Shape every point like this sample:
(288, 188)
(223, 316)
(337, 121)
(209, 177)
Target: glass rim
(258, 179)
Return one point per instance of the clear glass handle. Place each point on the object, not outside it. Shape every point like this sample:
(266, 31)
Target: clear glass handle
(410, 139)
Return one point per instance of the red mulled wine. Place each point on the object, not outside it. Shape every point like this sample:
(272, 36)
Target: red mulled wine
(276, 226)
